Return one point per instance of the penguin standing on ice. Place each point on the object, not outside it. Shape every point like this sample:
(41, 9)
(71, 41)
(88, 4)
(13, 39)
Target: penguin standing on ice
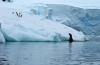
(70, 38)
(19, 14)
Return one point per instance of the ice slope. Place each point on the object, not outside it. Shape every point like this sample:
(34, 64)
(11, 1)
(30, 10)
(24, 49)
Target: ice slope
(34, 28)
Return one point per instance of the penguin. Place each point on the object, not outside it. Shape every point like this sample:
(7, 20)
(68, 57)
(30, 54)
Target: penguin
(19, 14)
(3, 0)
(70, 37)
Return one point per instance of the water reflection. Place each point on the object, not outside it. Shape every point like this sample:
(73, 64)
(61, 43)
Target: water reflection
(70, 51)
(3, 57)
(50, 53)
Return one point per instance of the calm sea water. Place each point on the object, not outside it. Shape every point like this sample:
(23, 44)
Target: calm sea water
(50, 53)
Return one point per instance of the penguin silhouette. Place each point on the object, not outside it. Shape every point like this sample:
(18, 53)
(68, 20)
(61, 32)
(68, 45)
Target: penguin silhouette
(70, 38)
(3, 0)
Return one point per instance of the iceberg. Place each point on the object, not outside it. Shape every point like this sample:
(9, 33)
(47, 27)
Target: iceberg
(34, 28)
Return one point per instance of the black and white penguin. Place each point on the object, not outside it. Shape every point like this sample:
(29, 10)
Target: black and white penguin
(70, 37)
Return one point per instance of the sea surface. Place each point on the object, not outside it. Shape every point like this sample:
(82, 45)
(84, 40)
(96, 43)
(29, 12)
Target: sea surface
(50, 53)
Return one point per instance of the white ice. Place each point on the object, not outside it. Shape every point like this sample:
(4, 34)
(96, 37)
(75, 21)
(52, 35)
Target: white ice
(34, 28)
(30, 27)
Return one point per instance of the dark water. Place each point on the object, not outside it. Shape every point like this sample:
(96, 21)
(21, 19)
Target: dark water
(50, 53)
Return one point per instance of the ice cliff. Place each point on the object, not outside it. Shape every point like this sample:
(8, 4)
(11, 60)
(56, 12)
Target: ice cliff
(85, 20)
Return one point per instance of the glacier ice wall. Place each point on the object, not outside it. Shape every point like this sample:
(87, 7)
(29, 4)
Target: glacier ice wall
(86, 20)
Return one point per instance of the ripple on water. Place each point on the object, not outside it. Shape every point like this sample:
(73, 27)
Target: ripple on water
(50, 53)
